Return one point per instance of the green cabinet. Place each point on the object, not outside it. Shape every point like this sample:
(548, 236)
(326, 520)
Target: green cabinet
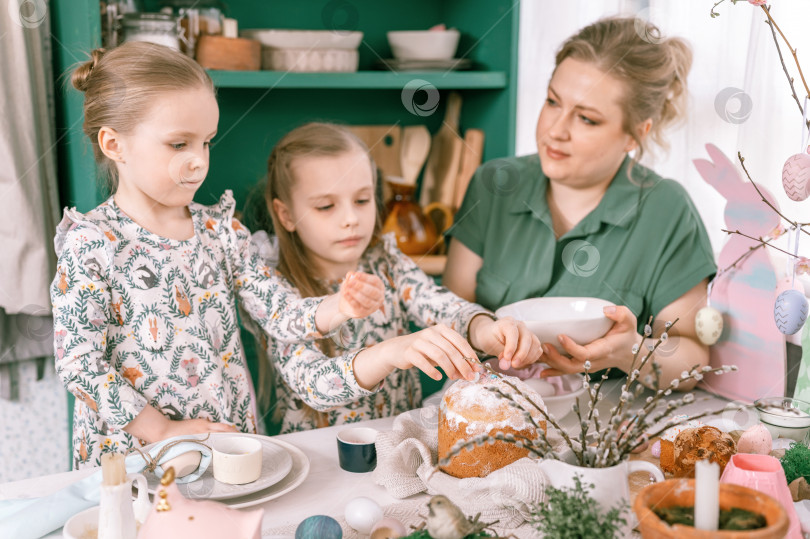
(257, 108)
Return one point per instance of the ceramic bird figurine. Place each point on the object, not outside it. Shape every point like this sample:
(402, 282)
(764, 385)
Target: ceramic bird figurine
(446, 521)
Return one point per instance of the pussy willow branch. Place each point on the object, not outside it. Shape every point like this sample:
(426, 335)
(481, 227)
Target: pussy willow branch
(759, 240)
(638, 441)
(792, 50)
(617, 411)
(766, 201)
(784, 67)
(550, 420)
(749, 252)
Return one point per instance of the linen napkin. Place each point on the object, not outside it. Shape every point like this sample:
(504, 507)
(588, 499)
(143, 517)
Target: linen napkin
(407, 457)
(35, 517)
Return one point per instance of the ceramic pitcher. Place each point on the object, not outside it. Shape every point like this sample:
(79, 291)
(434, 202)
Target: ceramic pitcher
(610, 485)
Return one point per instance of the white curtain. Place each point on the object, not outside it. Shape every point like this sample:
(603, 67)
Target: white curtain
(28, 154)
(734, 50)
(33, 402)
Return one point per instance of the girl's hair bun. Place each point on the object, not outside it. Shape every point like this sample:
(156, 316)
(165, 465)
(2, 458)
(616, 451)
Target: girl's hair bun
(82, 73)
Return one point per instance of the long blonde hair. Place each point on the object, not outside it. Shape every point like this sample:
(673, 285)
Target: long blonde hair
(122, 84)
(652, 69)
(309, 140)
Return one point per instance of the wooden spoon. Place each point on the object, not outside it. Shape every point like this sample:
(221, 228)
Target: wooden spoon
(414, 150)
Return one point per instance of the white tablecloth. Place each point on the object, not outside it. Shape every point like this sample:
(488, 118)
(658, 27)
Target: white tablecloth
(328, 488)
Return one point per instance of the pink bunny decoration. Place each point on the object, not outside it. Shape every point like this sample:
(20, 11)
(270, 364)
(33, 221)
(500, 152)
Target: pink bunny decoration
(745, 296)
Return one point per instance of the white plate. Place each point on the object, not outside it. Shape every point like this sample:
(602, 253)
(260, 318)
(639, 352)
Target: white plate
(296, 476)
(581, 319)
(425, 65)
(276, 464)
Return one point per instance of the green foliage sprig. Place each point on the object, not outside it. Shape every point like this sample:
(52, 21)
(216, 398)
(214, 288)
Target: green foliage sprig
(796, 462)
(571, 513)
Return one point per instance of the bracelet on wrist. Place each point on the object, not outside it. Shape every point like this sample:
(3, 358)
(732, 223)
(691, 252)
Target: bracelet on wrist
(469, 333)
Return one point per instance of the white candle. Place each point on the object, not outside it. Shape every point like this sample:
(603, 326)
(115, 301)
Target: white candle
(707, 495)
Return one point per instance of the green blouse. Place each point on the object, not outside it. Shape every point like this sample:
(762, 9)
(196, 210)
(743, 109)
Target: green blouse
(643, 246)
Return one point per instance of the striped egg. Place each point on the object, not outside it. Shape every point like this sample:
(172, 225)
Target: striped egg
(795, 176)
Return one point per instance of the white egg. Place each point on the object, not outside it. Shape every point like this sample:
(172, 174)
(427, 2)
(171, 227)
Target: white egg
(362, 514)
(542, 387)
(708, 325)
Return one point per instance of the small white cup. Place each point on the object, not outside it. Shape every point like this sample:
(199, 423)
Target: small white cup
(236, 459)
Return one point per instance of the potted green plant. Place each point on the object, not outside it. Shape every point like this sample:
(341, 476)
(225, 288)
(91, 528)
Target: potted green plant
(681, 493)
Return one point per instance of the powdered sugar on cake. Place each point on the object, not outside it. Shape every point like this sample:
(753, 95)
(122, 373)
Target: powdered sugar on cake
(474, 397)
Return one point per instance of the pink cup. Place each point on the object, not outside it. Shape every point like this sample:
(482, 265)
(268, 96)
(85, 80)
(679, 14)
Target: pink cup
(765, 474)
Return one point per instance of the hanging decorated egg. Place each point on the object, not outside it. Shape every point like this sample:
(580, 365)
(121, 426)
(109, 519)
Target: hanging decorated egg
(362, 514)
(795, 176)
(790, 311)
(708, 325)
(319, 527)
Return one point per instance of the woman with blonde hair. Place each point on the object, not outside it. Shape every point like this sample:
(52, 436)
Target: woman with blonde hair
(582, 217)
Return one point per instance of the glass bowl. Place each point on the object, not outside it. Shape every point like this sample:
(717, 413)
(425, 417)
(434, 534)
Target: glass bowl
(785, 417)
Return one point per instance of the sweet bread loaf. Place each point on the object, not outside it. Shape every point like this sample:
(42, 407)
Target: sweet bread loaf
(469, 409)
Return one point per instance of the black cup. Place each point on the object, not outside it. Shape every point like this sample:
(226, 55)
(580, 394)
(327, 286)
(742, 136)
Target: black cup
(356, 451)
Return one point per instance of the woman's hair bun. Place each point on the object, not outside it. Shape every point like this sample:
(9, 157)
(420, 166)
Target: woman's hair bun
(82, 74)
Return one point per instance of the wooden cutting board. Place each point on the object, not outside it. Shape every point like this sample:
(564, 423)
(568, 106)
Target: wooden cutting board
(470, 161)
(383, 142)
(441, 169)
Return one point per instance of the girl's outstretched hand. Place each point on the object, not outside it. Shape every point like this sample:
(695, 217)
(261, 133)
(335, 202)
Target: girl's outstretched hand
(360, 294)
(509, 339)
(435, 346)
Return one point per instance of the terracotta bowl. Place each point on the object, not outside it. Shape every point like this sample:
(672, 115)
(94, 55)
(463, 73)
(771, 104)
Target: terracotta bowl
(682, 492)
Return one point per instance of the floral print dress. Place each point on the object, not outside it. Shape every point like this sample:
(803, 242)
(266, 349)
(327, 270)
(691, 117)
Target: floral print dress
(313, 390)
(140, 319)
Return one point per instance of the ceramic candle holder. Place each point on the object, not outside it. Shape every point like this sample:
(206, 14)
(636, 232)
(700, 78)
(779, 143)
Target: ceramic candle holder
(236, 459)
(764, 473)
(682, 492)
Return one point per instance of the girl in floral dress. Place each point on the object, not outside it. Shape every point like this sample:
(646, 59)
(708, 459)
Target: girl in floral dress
(320, 193)
(144, 300)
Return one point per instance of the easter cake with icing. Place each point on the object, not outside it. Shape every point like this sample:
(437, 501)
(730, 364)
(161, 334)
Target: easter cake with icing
(470, 409)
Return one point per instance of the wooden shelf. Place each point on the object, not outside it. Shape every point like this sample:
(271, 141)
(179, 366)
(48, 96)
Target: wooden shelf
(362, 80)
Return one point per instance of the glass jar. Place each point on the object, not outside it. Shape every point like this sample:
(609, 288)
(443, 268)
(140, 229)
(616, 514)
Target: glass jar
(197, 18)
(152, 27)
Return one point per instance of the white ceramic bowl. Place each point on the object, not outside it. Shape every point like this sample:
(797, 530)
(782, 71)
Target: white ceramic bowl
(560, 405)
(785, 417)
(304, 39)
(424, 44)
(84, 525)
(581, 319)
